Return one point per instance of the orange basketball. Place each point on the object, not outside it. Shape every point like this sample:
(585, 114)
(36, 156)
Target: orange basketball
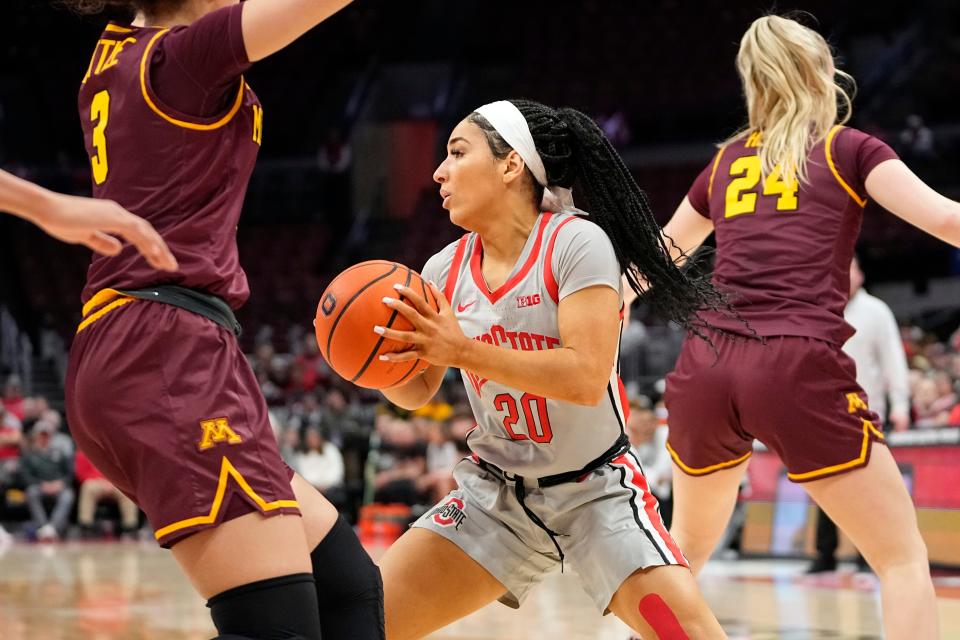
(349, 310)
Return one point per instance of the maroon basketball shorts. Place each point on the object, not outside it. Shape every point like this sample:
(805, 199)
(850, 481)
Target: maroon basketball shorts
(798, 396)
(165, 404)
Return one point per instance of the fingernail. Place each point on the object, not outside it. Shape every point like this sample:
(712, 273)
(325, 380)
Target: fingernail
(378, 329)
(388, 300)
(384, 358)
(398, 286)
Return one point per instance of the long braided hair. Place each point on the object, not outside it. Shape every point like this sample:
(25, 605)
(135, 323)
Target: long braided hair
(575, 150)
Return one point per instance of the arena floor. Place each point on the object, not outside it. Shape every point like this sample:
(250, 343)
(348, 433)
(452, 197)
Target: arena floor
(134, 591)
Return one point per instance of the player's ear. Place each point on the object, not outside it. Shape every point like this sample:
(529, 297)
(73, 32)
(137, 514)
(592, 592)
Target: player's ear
(513, 167)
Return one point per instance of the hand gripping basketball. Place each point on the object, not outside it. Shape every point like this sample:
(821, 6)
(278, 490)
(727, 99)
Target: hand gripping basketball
(436, 336)
(349, 309)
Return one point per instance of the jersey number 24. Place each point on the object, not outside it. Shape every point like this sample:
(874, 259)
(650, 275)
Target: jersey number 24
(741, 196)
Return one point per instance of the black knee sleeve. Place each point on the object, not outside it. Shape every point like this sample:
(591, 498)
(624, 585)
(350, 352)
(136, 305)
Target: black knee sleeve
(283, 608)
(349, 588)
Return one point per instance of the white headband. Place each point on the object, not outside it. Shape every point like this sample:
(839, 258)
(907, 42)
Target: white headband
(512, 127)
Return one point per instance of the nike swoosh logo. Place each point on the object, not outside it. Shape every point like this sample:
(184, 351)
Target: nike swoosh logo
(463, 307)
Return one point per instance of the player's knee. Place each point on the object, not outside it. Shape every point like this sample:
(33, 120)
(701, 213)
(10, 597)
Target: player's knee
(904, 553)
(343, 570)
(349, 587)
(283, 607)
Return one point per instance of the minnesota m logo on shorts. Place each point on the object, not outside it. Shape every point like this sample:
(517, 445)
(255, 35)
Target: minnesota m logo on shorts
(855, 403)
(215, 431)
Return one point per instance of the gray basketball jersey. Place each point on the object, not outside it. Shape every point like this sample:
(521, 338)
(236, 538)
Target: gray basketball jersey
(520, 432)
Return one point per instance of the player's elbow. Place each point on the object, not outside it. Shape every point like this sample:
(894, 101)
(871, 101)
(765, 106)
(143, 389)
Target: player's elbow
(591, 390)
(948, 225)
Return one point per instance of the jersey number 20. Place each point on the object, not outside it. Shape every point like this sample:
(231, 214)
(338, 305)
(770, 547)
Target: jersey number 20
(537, 426)
(100, 113)
(741, 198)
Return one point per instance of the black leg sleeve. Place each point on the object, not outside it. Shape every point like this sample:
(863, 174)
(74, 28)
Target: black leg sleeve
(349, 588)
(283, 608)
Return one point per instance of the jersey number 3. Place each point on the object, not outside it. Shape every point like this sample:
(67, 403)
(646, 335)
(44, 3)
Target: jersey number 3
(538, 426)
(100, 113)
(741, 197)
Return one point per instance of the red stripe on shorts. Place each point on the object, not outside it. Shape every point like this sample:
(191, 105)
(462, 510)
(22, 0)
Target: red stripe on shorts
(649, 505)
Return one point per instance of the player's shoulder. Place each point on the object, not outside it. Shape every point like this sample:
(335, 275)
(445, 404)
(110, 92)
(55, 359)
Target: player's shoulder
(440, 262)
(446, 254)
(574, 229)
(843, 139)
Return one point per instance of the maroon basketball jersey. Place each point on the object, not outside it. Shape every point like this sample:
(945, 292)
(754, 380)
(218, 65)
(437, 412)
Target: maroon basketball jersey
(185, 173)
(784, 250)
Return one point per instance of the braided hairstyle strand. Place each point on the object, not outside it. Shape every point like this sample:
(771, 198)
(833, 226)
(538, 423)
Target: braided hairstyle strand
(575, 150)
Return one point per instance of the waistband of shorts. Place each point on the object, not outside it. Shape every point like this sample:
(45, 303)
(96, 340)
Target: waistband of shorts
(204, 304)
(621, 446)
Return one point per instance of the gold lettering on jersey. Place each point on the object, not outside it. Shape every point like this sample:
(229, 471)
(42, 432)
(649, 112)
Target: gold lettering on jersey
(216, 431)
(754, 139)
(114, 55)
(105, 55)
(257, 123)
(855, 403)
(741, 197)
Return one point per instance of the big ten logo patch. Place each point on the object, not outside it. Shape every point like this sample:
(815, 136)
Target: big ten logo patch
(449, 513)
(528, 301)
(216, 431)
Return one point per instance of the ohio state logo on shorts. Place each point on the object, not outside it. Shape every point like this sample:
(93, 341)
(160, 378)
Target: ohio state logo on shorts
(449, 513)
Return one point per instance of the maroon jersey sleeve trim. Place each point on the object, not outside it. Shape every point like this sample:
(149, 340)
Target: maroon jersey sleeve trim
(833, 167)
(713, 172)
(196, 126)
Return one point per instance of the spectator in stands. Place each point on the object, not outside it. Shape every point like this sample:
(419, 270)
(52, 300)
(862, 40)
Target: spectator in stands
(319, 461)
(932, 401)
(402, 461)
(306, 412)
(13, 398)
(878, 351)
(648, 441)
(442, 456)
(289, 441)
(461, 424)
(94, 488)
(310, 369)
(47, 473)
(11, 435)
(340, 417)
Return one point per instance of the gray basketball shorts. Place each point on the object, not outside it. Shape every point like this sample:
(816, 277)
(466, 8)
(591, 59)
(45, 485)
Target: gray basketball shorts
(607, 524)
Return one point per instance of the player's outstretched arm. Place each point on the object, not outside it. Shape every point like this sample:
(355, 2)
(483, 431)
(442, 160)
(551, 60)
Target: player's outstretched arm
(270, 25)
(419, 391)
(684, 234)
(898, 190)
(84, 220)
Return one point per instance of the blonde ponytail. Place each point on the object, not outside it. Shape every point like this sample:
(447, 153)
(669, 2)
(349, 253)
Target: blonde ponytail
(792, 89)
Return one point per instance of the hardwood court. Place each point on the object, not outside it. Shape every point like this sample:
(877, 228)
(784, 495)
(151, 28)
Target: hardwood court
(135, 591)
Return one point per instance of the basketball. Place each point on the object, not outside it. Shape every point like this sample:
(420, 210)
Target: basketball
(351, 307)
